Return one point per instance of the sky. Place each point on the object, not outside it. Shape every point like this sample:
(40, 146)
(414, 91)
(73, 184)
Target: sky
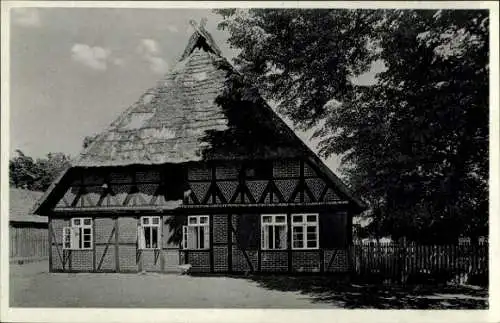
(74, 70)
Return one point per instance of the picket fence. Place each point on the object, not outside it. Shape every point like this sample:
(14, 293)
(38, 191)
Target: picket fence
(399, 262)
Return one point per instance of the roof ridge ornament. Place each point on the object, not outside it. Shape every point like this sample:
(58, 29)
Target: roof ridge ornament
(203, 22)
(200, 32)
(201, 25)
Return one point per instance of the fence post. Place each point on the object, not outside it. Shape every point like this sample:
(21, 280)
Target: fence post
(350, 257)
(364, 259)
(403, 261)
(360, 257)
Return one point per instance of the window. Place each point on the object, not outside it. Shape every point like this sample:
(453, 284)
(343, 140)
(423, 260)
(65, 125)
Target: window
(78, 236)
(150, 232)
(274, 231)
(196, 234)
(305, 233)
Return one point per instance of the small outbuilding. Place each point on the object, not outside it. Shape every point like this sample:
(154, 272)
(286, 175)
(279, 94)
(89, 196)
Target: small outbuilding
(28, 233)
(191, 174)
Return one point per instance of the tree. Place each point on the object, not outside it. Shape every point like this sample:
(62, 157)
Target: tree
(294, 61)
(22, 170)
(415, 144)
(49, 169)
(37, 175)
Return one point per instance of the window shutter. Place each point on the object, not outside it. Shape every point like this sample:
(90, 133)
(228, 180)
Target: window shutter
(66, 237)
(159, 237)
(207, 237)
(75, 238)
(185, 237)
(91, 237)
(141, 239)
(192, 236)
(263, 237)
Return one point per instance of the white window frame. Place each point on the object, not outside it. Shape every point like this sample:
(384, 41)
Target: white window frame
(67, 238)
(147, 223)
(264, 237)
(194, 223)
(74, 236)
(304, 223)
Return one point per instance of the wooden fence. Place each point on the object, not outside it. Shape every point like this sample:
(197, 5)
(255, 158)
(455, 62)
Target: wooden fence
(399, 262)
(27, 243)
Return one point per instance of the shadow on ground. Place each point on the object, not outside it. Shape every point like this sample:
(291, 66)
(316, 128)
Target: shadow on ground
(30, 285)
(380, 296)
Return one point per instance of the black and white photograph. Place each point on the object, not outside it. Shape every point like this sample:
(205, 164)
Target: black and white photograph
(246, 157)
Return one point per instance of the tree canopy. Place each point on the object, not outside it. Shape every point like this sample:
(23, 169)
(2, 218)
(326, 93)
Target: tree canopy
(36, 175)
(415, 143)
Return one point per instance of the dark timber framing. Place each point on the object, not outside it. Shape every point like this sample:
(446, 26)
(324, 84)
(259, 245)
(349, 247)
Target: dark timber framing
(213, 197)
(211, 239)
(302, 182)
(289, 240)
(214, 202)
(231, 231)
(139, 251)
(259, 248)
(94, 255)
(50, 244)
(229, 243)
(117, 248)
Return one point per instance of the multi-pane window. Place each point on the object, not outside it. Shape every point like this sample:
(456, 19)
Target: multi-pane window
(305, 233)
(196, 234)
(274, 231)
(150, 232)
(78, 236)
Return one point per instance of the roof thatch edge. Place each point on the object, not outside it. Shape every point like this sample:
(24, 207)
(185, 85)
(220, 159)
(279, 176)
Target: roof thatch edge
(38, 205)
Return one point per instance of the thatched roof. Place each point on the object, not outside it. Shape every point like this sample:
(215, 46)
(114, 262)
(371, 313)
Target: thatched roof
(179, 121)
(21, 202)
(190, 116)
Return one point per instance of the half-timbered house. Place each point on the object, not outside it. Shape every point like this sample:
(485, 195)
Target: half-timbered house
(187, 176)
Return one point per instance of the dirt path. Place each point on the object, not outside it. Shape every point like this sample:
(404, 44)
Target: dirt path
(32, 286)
